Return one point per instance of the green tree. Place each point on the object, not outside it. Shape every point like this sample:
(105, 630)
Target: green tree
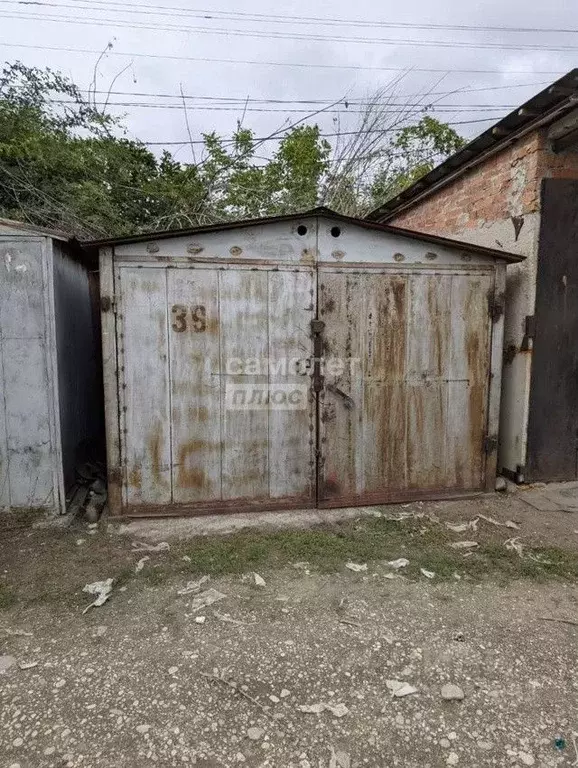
(415, 151)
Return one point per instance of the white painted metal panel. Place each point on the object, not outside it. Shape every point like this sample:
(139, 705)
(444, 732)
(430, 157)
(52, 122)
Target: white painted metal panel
(145, 395)
(193, 305)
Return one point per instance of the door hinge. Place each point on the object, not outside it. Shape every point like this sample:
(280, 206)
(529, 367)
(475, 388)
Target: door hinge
(490, 444)
(496, 306)
(529, 333)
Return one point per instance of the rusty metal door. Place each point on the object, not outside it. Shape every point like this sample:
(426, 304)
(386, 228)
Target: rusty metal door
(403, 407)
(216, 408)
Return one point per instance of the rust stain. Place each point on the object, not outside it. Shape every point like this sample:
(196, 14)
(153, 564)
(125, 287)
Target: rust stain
(308, 256)
(135, 478)
(155, 449)
(192, 476)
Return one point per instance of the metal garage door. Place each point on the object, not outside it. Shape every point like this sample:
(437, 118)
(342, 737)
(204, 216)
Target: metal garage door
(224, 407)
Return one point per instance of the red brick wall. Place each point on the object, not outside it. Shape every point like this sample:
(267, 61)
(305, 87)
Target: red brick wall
(506, 184)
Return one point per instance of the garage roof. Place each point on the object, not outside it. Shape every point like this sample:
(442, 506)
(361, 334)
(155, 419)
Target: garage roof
(552, 103)
(320, 211)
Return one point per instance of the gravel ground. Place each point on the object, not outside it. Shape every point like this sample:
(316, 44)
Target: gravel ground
(138, 682)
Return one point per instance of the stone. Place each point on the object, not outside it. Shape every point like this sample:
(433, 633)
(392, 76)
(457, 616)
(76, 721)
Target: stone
(255, 733)
(445, 743)
(453, 758)
(526, 758)
(284, 693)
(451, 692)
(6, 662)
(142, 729)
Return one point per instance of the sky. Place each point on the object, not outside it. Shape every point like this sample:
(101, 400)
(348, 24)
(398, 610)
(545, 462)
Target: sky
(274, 64)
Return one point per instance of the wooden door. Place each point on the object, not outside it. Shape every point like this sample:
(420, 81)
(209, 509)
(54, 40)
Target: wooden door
(403, 410)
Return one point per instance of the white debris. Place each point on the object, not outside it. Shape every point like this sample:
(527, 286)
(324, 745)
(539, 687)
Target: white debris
(200, 619)
(493, 521)
(28, 664)
(471, 525)
(302, 565)
(6, 662)
(142, 729)
(515, 545)
(18, 632)
(274, 699)
(208, 597)
(173, 670)
(228, 619)
(356, 567)
(401, 562)
(102, 590)
(141, 564)
(143, 546)
(464, 544)
(337, 710)
(79, 542)
(399, 689)
(339, 759)
(451, 692)
(193, 586)
(259, 580)
(427, 574)
(284, 693)
(255, 734)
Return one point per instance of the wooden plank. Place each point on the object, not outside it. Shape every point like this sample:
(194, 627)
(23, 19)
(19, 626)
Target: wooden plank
(292, 464)
(428, 346)
(552, 452)
(193, 307)
(341, 401)
(110, 380)
(467, 385)
(383, 442)
(245, 415)
(145, 390)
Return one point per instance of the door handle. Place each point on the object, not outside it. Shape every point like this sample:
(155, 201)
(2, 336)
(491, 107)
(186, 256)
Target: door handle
(317, 327)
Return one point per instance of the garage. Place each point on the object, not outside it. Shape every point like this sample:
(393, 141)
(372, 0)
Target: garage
(311, 360)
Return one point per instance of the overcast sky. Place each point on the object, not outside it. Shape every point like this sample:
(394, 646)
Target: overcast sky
(169, 45)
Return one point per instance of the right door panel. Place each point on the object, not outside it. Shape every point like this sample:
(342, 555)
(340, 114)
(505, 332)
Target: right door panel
(403, 410)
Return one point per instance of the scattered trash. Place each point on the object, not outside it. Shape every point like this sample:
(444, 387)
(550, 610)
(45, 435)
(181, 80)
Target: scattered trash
(350, 622)
(471, 525)
(229, 619)
(538, 558)
(451, 692)
(200, 619)
(102, 590)
(208, 597)
(356, 567)
(79, 542)
(143, 546)
(28, 664)
(493, 521)
(18, 632)
(193, 586)
(515, 545)
(337, 710)
(141, 564)
(259, 580)
(339, 759)
(301, 566)
(560, 743)
(399, 689)
(464, 544)
(401, 562)
(255, 734)
(427, 574)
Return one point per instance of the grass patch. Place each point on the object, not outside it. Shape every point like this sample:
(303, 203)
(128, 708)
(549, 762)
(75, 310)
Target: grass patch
(372, 540)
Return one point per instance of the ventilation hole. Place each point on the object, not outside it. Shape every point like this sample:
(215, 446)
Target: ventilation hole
(335, 231)
(301, 229)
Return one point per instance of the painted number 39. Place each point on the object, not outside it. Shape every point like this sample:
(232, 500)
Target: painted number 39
(196, 317)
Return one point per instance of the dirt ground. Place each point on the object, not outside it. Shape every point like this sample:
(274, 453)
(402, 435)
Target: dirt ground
(148, 679)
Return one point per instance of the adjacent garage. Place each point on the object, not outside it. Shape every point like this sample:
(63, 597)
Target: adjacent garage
(298, 361)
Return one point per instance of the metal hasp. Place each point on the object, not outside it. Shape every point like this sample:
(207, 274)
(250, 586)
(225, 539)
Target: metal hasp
(317, 328)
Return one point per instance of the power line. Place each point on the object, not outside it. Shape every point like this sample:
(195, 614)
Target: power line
(288, 19)
(124, 24)
(300, 65)
(322, 135)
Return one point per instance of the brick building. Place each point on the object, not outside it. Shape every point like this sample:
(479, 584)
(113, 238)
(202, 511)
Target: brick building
(516, 187)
